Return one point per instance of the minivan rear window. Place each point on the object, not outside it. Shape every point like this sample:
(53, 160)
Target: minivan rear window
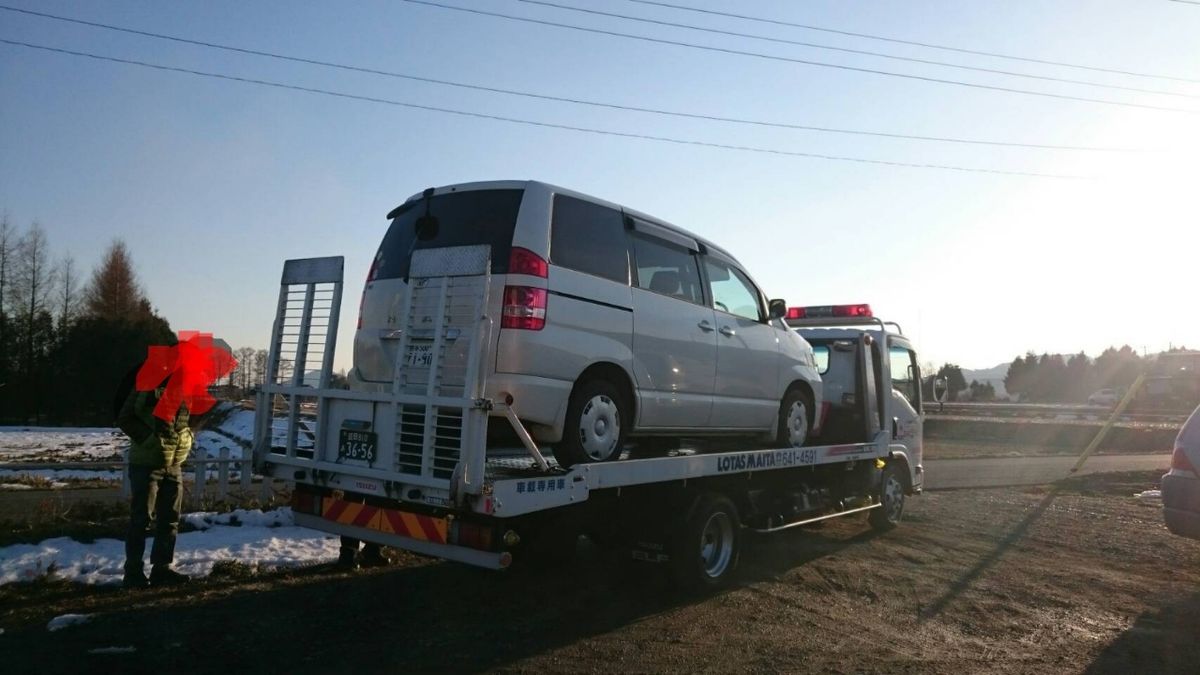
(463, 219)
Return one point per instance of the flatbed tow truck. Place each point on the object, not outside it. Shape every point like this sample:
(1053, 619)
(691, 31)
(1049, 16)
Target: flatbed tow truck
(411, 468)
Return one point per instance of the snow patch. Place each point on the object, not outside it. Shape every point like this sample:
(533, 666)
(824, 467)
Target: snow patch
(203, 520)
(61, 622)
(260, 540)
(1149, 496)
(15, 486)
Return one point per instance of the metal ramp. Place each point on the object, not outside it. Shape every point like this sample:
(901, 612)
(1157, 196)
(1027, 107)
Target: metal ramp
(428, 430)
(438, 354)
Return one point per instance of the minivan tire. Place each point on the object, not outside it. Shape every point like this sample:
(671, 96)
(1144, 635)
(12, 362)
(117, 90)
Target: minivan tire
(795, 419)
(596, 408)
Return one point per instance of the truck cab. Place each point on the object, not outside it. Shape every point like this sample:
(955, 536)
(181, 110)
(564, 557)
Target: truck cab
(871, 378)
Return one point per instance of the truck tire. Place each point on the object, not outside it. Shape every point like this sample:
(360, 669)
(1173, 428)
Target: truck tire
(795, 419)
(596, 426)
(705, 550)
(891, 500)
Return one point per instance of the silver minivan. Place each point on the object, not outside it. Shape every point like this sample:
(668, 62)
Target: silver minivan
(612, 324)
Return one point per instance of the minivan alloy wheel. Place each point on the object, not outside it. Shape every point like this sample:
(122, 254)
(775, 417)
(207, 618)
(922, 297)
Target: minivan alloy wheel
(600, 427)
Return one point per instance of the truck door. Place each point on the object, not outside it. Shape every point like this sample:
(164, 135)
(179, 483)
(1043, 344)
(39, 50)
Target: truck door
(906, 403)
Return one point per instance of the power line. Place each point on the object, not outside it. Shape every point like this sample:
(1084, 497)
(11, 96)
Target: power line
(786, 59)
(515, 120)
(946, 64)
(562, 99)
(915, 43)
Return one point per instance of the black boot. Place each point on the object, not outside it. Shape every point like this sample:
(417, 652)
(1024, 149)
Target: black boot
(372, 557)
(135, 578)
(163, 575)
(346, 560)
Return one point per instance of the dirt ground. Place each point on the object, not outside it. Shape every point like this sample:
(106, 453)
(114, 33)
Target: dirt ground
(1078, 577)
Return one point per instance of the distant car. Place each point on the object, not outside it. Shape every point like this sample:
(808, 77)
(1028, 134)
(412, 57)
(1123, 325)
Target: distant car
(1104, 397)
(1181, 485)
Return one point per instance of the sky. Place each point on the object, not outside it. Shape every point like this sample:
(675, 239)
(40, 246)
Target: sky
(213, 184)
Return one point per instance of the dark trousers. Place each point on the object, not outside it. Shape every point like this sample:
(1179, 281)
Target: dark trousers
(157, 494)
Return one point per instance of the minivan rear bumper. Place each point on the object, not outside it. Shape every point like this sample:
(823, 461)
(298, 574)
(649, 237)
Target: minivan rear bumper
(541, 401)
(1181, 504)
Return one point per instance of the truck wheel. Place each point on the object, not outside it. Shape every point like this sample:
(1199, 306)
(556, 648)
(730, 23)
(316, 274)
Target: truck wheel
(704, 553)
(795, 419)
(891, 500)
(595, 427)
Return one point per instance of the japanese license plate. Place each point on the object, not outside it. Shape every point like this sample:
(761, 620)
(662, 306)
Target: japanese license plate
(359, 445)
(419, 356)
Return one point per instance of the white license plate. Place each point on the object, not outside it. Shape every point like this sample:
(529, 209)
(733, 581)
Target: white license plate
(419, 356)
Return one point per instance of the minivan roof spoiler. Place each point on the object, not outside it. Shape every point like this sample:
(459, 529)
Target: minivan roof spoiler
(427, 193)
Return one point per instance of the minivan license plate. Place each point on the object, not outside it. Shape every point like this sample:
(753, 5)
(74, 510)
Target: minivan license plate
(359, 445)
(419, 356)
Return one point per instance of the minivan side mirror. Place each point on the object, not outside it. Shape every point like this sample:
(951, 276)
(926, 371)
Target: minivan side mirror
(777, 308)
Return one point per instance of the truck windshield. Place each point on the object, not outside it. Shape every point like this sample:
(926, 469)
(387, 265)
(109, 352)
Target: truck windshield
(458, 219)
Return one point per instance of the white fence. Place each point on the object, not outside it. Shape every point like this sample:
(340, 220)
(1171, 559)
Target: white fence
(205, 480)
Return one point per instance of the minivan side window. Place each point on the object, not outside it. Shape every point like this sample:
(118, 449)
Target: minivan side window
(590, 238)
(732, 292)
(667, 269)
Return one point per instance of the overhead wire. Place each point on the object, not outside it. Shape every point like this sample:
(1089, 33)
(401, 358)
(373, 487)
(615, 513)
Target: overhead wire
(527, 122)
(786, 59)
(915, 43)
(896, 57)
(549, 97)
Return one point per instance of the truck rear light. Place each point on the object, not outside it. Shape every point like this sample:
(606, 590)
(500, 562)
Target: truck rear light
(524, 308)
(470, 535)
(524, 261)
(1180, 461)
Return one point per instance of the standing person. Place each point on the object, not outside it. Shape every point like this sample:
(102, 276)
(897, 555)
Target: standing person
(156, 454)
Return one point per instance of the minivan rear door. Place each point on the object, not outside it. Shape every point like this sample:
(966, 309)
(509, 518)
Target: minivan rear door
(674, 331)
(458, 218)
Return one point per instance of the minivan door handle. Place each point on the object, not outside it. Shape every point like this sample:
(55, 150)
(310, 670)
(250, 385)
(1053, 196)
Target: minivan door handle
(727, 331)
(705, 326)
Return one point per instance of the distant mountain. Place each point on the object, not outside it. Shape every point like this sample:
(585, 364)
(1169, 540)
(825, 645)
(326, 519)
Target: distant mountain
(993, 375)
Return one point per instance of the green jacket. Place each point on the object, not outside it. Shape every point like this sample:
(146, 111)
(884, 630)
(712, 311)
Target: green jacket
(155, 443)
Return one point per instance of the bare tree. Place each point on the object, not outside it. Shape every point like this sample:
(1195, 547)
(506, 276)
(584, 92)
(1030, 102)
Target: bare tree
(33, 280)
(245, 357)
(114, 292)
(32, 287)
(7, 249)
(68, 292)
(259, 372)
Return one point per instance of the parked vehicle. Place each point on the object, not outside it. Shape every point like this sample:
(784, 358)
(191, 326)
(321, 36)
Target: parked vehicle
(1105, 397)
(410, 466)
(1181, 485)
(612, 324)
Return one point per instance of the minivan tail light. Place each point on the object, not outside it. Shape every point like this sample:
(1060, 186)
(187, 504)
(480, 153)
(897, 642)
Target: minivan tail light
(1180, 461)
(362, 300)
(524, 261)
(524, 308)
